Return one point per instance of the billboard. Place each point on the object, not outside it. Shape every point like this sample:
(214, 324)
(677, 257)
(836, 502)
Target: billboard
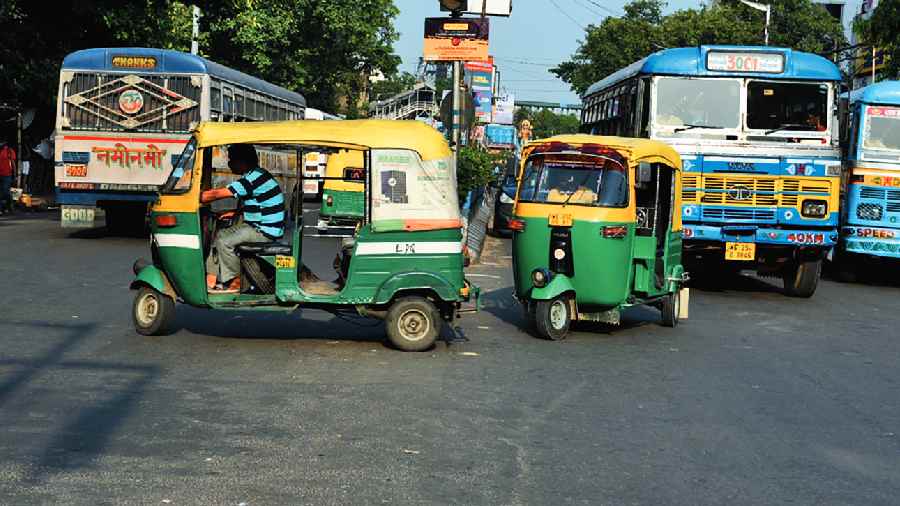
(489, 7)
(504, 110)
(456, 39)
(480, 78)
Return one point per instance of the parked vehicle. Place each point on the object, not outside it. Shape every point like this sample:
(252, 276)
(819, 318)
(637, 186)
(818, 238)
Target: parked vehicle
(597, 231)
(343, 197)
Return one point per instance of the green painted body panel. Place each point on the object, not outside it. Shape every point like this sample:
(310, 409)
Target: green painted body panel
(348, 205)
(154, 278)
(602, 266)
(184, 267)
(560, 284)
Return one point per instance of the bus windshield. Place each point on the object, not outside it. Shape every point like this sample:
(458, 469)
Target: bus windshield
(689, 104)
(578, 179)
(882, 130)
(777, 106)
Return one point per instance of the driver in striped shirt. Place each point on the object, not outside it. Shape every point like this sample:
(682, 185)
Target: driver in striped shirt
(263, 217)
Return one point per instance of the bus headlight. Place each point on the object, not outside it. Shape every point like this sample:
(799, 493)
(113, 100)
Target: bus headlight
(540, 278)
(814, 209)
(870, 212)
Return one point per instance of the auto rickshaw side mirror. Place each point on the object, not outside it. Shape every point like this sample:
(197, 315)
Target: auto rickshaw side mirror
(645, 172)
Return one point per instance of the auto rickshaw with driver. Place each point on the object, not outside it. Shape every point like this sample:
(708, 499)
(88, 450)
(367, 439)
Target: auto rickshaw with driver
(403, 265)
(597, 230)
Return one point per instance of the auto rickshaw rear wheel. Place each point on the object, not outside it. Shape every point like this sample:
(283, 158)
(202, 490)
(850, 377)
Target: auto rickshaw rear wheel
(552, 318)
(413, 323)
(670, 307)
(152, 312)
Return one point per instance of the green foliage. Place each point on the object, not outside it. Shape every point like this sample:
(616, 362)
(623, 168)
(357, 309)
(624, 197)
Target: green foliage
(322, 49)
(619, 41)
(882, 30)
(474, 169)
(545, 123)
(393, 85)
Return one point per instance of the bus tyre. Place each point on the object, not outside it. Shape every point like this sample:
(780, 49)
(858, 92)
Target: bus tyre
(552, 318)
(413, 324)
(153, 312)
(669, 308)
(802, 277)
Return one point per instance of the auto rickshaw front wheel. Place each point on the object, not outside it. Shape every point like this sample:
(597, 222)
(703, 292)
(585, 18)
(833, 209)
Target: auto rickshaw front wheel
(552, 318)
(153, 312)
(413, 323)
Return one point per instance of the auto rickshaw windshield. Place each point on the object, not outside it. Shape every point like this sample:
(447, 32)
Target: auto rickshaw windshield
(575, 178)
(179, 180)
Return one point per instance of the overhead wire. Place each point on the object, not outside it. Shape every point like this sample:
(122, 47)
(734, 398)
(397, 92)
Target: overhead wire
(567, 14)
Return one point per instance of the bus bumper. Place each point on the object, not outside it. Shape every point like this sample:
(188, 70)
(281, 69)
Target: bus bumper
(761, 235)
(874, 241)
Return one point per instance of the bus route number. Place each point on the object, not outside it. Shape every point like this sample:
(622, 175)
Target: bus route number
(745, 62)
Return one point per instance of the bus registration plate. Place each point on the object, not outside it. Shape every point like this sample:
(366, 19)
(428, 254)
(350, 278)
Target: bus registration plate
(743, 251)
(77, 216)
(560, 220)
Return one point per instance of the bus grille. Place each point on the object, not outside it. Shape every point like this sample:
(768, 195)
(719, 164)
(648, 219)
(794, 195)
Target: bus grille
(749, 191)
(94, 101)
(738, 214)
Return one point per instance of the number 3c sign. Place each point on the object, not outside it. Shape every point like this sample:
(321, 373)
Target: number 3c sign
(769, 63)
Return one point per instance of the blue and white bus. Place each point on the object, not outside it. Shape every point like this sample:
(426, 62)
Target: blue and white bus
(758, 133)
(125, 114)
(871, 210)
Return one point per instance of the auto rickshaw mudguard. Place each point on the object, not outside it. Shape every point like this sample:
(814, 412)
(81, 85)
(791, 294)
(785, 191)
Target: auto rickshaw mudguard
(154, 278)
(415, 281)
(676, 279)
(559, 284)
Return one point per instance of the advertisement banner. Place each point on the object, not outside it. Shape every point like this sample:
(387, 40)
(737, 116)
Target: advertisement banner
(504, 110)
(479, 77)
(456, 39)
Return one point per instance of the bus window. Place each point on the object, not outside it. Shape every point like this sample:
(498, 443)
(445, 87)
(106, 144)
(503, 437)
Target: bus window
(709, 103)
(787, 106)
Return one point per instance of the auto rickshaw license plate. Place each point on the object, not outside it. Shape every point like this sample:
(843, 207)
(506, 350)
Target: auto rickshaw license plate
(560, 220)
(745, 251)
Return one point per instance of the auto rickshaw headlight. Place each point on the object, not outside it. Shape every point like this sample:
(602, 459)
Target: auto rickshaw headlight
(540, 278)
(814, 209)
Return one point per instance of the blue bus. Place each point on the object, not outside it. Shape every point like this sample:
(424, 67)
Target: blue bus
(871, 210)
(758, 133)
(125, 114)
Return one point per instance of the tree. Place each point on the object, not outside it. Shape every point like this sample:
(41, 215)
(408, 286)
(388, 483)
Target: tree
(546, 123)
(882, 30)
(393, 85)
(620, 41)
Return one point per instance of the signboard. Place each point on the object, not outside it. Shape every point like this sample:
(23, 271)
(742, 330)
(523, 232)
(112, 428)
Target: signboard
(886, 112)
(479, 77)
(489, 7)
(134, 62)
(726, 61)
(504, 110)
(500, 136)
(456, 39)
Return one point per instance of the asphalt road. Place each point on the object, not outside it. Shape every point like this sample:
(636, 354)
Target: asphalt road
(756, 399)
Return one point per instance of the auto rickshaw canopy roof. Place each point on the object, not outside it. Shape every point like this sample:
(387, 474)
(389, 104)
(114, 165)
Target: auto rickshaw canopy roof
(352, 134)
(635, 149)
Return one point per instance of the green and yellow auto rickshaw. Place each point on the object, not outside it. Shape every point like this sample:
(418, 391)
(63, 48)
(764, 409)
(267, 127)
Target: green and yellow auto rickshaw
(597, 230)
(343, 197)
(404, 264)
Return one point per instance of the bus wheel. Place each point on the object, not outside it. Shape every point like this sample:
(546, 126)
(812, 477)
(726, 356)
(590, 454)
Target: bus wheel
(802, 277)
(153, 312)
(413, 324)
(670, 308)
(552, 318)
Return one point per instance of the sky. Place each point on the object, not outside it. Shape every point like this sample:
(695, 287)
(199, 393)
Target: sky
(538, 35)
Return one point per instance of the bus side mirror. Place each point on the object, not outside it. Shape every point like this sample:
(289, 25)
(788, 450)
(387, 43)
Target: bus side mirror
(644, 173)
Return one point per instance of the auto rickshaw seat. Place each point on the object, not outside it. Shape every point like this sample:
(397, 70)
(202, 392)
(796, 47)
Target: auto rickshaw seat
(264, 249)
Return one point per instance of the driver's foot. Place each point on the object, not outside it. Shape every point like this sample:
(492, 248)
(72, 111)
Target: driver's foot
(234, 286)
(210, 281)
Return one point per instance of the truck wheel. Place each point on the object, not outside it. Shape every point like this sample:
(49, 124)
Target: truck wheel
(670, 307)
(153, 312)
(802, 277)
(413, 324)
(553, 318)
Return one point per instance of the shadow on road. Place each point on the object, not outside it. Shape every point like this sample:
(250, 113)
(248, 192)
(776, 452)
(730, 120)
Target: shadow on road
(83, 436)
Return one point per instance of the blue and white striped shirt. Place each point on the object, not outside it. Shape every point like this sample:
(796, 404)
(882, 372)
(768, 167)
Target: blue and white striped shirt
(262, 200)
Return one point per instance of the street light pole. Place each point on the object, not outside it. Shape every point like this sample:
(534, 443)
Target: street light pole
(19, 149)
(767, 8)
